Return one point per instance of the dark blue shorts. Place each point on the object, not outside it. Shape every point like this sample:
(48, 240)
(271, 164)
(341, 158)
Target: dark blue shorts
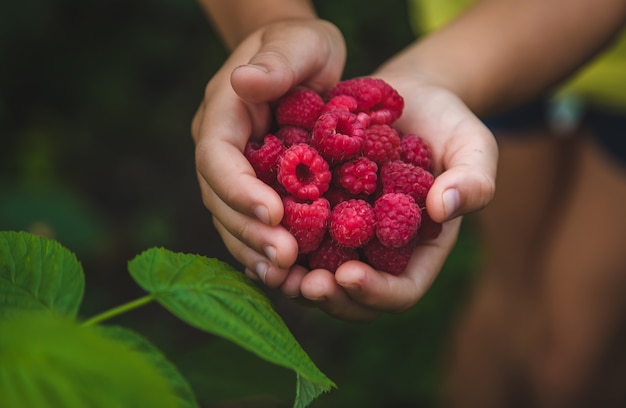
(608, 128)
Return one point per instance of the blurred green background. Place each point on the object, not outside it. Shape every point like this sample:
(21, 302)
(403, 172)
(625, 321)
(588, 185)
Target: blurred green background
(96, 100)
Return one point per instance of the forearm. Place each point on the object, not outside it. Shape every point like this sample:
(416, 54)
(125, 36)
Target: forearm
(236, 19)
(502, 52)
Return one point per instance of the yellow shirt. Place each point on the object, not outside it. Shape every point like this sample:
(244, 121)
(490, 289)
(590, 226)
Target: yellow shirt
(601, 82)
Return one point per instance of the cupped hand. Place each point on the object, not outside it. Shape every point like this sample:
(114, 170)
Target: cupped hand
(247, 212)
(465, 158)
(236, 106)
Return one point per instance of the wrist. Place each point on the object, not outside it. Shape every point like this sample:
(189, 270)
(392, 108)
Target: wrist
(236, 20)
(416, 69)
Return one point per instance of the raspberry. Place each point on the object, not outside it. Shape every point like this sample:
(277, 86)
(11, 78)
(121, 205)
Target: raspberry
(428, 229)
(397, 219)
(307, 221)
(303, 172)
(344, 102)
(299, 107)
(414, 150)
(382, 144)
(352, 223)
(374, 96)
(390, 260)
(339, 135)
(357, 176)
(264, 157)
(330, 255)
(353, 187)
(293, 135)
(400, 177)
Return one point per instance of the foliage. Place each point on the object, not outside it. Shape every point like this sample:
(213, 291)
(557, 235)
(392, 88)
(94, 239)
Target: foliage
(51, 360)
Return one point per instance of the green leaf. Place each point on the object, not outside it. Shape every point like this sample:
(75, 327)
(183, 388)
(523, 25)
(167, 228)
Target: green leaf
(214, 297)
(140, 345)
(37, 273)
(51, 362)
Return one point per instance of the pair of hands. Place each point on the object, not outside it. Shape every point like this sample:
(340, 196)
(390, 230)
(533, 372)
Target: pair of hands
(247, 213)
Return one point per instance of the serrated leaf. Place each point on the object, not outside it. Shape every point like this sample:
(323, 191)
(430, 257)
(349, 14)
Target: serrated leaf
(214, 297)
(37, 273)
(50, 362)
(141, 345)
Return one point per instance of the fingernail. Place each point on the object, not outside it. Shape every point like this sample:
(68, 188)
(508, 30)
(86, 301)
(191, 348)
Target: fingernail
(451, 202)
(261, 270)
(262, 214)
(270, 251)
(261, 68)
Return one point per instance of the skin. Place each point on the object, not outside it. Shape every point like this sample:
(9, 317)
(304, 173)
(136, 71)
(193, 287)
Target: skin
(445, 84)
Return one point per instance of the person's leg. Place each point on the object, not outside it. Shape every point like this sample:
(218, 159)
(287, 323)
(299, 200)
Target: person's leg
(483, 367)
(584, 289)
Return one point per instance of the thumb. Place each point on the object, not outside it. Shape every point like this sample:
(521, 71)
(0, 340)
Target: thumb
(310, 53)
(469, 181)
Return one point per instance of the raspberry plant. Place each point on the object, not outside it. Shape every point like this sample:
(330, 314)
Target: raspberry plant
(50, 358)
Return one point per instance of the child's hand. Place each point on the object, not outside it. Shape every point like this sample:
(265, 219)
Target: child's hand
(246, 212)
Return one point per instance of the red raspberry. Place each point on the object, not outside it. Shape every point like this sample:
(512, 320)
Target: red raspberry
(264, 157)
(352, 223)
(397, 219)
(400, 177)
(428, 229)
(357, 176)
(303, 172)
(415, 150)
(299, 107)
(330, 255)
(382, 144)
(293, 135)
(344, 154)
(374, 96)
(339, 135)
(342, 102)
(307, 221)
(391, 260)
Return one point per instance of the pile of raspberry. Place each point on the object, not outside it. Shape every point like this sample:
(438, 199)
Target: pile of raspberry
(353, 186)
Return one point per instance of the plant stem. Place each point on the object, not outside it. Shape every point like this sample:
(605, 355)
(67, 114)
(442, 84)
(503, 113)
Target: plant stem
(118, 310)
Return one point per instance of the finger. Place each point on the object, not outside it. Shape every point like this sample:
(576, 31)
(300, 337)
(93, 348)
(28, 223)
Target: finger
(222, 136)
(275, 242)
(310, 54)
(320, 287)
(394, 294)
(291, 285)
(468, 182)
(254, 262)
